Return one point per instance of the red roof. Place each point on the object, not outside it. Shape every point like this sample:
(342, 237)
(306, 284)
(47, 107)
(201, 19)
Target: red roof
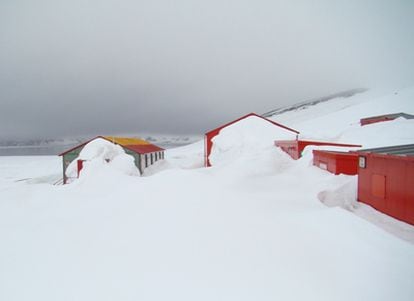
(387, 117)
(138, 148)
(144, 149)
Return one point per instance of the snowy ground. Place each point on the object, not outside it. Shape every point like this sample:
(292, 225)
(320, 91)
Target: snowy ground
(262, 228)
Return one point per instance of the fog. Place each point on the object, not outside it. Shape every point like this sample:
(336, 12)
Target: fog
(182, 67)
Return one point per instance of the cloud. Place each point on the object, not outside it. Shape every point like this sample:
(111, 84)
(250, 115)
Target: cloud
(182, 67)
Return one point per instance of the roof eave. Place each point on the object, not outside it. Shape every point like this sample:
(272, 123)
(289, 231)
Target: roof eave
(256, 115)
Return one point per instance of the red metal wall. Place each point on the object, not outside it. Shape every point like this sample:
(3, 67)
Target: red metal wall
(387, 184)
(366, 121)
(80, 166)
(291, 147)
(208, 144)
(336, 162)
(295, 147)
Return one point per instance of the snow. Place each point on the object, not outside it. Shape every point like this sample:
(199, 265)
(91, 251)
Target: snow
(338, 120)
(247, 137)
(187, 157)
(99, 155)
(264, 227)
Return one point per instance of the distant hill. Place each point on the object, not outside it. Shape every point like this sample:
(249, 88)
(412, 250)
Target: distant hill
(314, 101)
(27, 147)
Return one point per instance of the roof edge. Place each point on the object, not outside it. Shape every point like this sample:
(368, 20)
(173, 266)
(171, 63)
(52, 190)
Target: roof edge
(102, 137)
(399, 114)
(255, 115)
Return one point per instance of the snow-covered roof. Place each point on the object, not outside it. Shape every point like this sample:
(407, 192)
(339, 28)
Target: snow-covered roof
(136, 145)
(249, 115)
(392, 116)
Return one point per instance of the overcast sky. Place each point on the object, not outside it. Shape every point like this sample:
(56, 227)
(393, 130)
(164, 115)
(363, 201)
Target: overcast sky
(79, 67)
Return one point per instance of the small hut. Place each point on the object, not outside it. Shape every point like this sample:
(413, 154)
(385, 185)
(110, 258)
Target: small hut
(144, 153)
(385, 180)
(382, 118)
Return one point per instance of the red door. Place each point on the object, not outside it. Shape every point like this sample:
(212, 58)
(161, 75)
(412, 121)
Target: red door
(80, 166)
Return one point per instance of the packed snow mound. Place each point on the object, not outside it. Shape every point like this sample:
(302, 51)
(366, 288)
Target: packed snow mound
(101, 154)
(187, 157)
(248, 138)
(100, 148)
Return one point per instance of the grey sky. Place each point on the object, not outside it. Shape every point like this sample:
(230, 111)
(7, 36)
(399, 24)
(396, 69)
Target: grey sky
(79, 67)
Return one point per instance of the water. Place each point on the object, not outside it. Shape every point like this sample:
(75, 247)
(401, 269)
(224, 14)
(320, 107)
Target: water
(33, 150)
(54, 150)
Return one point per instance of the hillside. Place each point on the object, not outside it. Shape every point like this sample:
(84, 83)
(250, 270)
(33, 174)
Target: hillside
(255, 226)
(312, 102)
(338, 119)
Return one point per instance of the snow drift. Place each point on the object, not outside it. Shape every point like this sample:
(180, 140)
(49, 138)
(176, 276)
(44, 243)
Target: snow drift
(246, 230)
(99, 155)
(245, 140)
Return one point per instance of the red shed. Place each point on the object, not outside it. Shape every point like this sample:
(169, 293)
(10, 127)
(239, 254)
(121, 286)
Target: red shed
(208, 143)
(336, 162)
(144, 153)
(386, 180)
(295, 147)
(387, 117)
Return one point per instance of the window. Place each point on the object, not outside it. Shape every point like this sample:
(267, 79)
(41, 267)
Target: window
(362, 162)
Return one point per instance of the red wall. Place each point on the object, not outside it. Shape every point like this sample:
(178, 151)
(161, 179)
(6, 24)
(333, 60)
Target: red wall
(208, 144)
(387, 184)
(291, 147)
(366, 121)
(295, 147)
(336, 162)
(80, 166)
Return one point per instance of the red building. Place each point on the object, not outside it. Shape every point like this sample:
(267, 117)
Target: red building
(144, 153)
(208, 143)
(386, 180)
(387, 117)
(336, 162)
(295, 147)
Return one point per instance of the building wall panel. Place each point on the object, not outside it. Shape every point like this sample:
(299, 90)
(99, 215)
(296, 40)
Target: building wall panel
(336, 162)
(387, 185)
(295, 148)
